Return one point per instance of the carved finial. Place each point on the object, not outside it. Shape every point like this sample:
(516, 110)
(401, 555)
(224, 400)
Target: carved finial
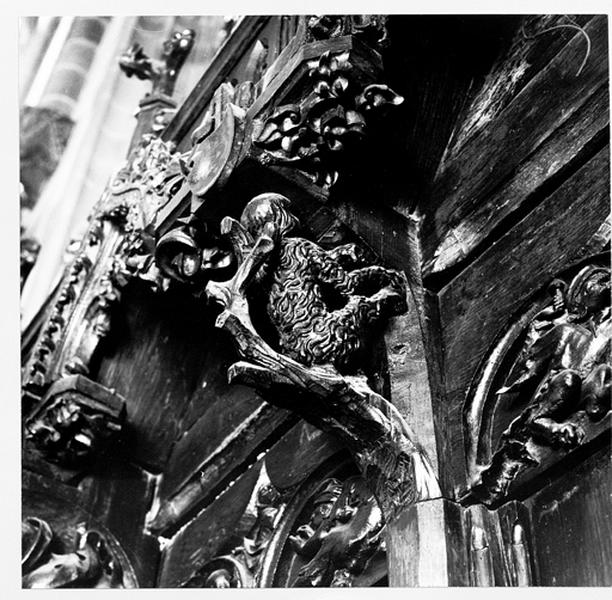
(162, 73)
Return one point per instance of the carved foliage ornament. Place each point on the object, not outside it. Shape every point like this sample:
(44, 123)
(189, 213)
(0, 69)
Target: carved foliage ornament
(46, 564)
(117, 246)
(323, 308)
(324, 134)
(372, 29)
(560, 378)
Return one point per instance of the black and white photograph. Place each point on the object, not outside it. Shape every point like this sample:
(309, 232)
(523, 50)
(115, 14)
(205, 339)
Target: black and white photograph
(312, 300)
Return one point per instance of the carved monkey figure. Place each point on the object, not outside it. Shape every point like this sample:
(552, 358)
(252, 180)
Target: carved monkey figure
(323, 304)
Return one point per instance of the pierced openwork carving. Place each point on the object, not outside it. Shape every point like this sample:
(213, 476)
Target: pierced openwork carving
(162, 73)
(560, 378)
(324, 133)
(76, 421)
(47, 563)
(323, 307)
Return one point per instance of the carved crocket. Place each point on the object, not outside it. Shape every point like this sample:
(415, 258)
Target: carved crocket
(323, 304)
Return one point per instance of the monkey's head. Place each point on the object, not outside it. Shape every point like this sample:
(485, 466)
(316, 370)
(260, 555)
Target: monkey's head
(268, 213)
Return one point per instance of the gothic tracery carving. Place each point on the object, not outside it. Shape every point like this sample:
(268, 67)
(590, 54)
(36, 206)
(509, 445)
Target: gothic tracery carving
(117, 247)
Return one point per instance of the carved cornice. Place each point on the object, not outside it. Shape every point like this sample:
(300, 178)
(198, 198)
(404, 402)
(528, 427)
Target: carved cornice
(324, 133)
(560, 376)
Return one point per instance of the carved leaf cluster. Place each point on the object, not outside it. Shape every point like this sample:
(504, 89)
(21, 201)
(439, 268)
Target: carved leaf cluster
(325, 132)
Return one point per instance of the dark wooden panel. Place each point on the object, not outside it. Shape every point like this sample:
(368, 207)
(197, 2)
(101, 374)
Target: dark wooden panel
(536, 41)
(208, 534)
(298, 454)
(155, 358)
(477, 305)
(489, 158)
(572, 525)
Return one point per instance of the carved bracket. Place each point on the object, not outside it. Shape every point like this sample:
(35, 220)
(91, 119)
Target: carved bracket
(117, 247)
(76, 421)
(550, 380)
(324, 307)
(324, 133)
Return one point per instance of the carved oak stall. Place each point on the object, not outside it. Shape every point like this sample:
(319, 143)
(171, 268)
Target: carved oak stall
(228, 347)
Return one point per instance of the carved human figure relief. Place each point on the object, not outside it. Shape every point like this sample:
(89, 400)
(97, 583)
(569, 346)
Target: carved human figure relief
(561, 377)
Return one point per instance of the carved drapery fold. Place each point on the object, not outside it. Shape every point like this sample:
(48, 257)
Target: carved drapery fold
(550, 379)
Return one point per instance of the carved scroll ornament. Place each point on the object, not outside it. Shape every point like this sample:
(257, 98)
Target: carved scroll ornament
(323, 308)
(45, 562)
(325, 132)
(561, 379)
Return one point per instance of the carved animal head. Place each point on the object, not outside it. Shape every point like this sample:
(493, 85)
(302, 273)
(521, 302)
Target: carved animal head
(268, 213)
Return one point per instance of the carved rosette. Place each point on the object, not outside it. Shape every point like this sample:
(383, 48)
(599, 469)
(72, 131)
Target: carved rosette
(546, 388)
(324, 134)
(117, 247)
